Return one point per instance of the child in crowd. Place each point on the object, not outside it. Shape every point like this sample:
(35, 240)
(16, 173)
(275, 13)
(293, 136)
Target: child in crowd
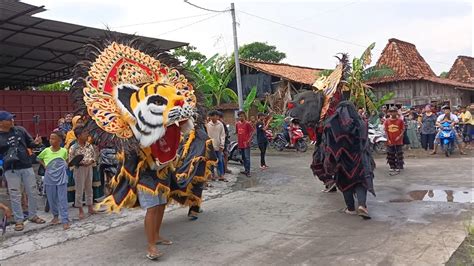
(83, 172)
(394, 127)
(53, 159)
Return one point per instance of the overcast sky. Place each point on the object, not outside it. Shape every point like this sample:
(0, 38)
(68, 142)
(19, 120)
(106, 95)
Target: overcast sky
(441, 30)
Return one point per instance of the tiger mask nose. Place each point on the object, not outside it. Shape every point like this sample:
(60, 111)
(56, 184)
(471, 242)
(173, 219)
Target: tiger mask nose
(179, 103)
(290, 105)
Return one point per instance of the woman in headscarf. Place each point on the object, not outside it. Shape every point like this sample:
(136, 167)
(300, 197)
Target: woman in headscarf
(70, 137)
(348, 157)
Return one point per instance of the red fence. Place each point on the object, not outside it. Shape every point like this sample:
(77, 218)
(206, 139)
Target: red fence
(49, 106)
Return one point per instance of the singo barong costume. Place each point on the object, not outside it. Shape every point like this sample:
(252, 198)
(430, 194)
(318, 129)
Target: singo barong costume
(141, 104)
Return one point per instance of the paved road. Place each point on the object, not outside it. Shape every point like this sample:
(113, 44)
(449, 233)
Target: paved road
(282, 218)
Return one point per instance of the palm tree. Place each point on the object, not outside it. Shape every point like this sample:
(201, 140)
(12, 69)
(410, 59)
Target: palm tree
(211, 77)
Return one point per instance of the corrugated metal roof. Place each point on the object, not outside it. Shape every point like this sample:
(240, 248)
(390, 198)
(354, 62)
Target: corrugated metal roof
(35, 51)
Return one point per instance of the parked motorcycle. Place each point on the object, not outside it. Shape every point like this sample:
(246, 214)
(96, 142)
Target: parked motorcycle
(447, 137)
(377, 140)
(281, 142)
(234, 152)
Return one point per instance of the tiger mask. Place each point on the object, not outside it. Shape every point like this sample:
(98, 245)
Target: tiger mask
(157, 114)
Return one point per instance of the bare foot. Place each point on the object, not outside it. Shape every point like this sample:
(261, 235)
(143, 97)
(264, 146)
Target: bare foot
(66, 226)
(55, 221)
(91, 211)
(81, 215)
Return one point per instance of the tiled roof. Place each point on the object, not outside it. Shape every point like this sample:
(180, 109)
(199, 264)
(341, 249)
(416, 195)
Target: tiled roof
(299, 74)
(403, 58)
(462, 69)
(407, 63)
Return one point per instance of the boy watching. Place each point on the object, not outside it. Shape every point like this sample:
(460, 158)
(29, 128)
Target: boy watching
(244, 136)
(395, 128)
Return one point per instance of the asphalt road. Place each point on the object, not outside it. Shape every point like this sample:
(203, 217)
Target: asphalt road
(281, 217)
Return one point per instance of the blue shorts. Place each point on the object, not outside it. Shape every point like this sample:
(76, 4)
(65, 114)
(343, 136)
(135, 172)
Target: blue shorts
(148, 200)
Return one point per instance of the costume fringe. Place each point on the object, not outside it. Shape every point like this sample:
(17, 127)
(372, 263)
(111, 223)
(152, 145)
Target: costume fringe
(128, 202)
(164, 190)
(187, 145)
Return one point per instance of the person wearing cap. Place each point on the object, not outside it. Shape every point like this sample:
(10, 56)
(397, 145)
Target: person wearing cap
(14, 144)
(395, 129)
(447, 116)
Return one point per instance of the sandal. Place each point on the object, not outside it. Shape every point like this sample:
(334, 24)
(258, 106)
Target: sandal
(37, 220)
(19, 227)
(223, 180)
(164, 242)
(154, 255)
(346, 211)
(363, 212)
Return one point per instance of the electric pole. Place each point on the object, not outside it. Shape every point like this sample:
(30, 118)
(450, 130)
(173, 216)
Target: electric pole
(236, 58)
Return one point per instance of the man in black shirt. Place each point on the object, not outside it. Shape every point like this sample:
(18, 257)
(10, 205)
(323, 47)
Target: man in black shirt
(262, 139)
(14, 144)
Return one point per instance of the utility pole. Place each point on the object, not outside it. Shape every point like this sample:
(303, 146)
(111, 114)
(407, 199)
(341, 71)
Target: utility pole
(236, 58)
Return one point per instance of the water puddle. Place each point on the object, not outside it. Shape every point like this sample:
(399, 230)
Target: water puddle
(244, 183)
(457, 196)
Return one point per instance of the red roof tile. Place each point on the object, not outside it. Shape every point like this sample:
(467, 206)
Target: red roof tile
(462, 69)
(299, 74)
(407, 63)
(403, 58)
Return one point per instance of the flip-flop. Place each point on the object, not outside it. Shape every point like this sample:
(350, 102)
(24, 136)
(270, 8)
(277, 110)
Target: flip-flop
(154, 256)
(363, 213)
(164, 242)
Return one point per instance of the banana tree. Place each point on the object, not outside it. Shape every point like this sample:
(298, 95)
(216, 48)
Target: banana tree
(249, 100)
(359, 75)
(211, 77)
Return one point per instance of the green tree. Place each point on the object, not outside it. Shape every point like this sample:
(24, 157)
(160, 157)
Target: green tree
(211, 77)
(250, 100)
(443, 74)
(189, 55)
(261, 51)
(57, 86)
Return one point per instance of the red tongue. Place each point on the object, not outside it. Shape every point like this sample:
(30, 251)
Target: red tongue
(164, 150)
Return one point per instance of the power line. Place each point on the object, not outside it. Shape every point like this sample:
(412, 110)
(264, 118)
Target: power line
(207, 9)
(190, 24)
(302, 30)
(318, 34)
(160, 21)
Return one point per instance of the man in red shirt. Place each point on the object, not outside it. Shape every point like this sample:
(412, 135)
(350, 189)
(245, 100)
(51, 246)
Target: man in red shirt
(244, 136)
(394, 127)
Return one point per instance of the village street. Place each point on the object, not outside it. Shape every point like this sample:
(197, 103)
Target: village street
(281, 217)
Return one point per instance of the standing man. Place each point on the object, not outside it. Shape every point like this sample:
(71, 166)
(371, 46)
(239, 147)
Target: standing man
(216, 132)
(395, 128)
(262, 140)
(14, 144)
(226, 143)
(467, 124)
(244, 137)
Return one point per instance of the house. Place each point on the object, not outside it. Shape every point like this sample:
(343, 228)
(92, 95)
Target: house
(462, 70)
(275, 82)
(414, 82)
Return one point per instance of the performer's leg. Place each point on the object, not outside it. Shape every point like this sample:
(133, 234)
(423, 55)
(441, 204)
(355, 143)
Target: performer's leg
(159, 219)
(150, 229)
(361, 192)
(349, 199)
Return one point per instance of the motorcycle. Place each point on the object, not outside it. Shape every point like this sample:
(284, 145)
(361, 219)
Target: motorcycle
(377, 139)
(234, 152)
(301, 143)
(447, 137)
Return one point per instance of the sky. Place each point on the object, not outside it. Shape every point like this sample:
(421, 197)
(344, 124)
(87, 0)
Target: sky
(309, 32)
